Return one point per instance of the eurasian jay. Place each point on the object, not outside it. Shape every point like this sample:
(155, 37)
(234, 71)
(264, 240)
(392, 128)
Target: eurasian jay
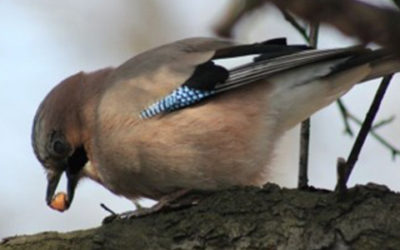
(173, 119)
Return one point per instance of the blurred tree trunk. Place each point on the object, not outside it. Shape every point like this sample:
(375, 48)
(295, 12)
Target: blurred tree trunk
(368, 217)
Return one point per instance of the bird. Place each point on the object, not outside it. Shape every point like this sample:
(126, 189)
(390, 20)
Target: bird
(173, 118)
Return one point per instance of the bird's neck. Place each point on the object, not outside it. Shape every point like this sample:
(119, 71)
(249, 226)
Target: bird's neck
(92, 89)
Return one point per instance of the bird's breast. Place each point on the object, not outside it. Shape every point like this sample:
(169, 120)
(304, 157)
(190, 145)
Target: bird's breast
(226, 141)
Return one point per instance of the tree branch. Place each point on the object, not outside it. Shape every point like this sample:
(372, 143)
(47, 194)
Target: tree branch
(248, 218)
(354, 18)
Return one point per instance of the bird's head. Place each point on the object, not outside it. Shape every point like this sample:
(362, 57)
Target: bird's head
(60, 130)
(56, 136)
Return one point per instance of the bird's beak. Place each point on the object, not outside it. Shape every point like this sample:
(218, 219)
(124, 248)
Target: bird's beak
(72, 181)
(53, 179)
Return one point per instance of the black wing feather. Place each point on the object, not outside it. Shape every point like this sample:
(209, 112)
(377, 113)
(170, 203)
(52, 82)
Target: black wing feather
(271, 48)
(209, 79)
(206, 76)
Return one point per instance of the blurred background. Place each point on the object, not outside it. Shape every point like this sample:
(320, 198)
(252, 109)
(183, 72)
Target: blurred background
(44, 41)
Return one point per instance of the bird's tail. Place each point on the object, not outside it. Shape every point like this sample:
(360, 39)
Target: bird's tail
(383, 66)
(381, 61)
(304, 82)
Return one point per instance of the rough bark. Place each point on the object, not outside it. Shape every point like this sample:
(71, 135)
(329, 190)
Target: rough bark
(368, 217)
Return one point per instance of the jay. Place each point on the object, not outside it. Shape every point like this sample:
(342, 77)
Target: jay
(173, 119)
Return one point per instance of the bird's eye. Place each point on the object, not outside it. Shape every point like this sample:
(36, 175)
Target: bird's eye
(60, 148)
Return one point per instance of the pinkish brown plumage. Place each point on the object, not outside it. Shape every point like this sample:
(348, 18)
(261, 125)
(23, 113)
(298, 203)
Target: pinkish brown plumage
(90, 124)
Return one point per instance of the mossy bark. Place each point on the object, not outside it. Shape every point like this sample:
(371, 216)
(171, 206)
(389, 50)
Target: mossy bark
(367, 217)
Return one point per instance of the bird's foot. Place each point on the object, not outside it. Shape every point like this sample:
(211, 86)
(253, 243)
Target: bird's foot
(177, 200)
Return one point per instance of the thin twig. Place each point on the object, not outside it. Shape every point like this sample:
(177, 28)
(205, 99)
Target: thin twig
(313, 38)
(347, 116)
(383, 122)
(305, 125)
(107, 209)
(395, 151)
(304, 152)
(291, 19)
(341, 173)
(366, 127)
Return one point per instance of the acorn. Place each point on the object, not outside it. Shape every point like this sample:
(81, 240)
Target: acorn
(59, 202)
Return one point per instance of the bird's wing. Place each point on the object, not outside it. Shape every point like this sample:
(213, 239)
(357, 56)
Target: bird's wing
(183, 73)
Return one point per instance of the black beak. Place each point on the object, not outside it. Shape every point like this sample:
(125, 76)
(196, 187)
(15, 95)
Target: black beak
(54, 179)
(52, 182)
(72, 181)
(72, 167)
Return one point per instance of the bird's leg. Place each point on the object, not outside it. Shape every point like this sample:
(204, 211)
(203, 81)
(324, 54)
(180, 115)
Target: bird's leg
(166, 202)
